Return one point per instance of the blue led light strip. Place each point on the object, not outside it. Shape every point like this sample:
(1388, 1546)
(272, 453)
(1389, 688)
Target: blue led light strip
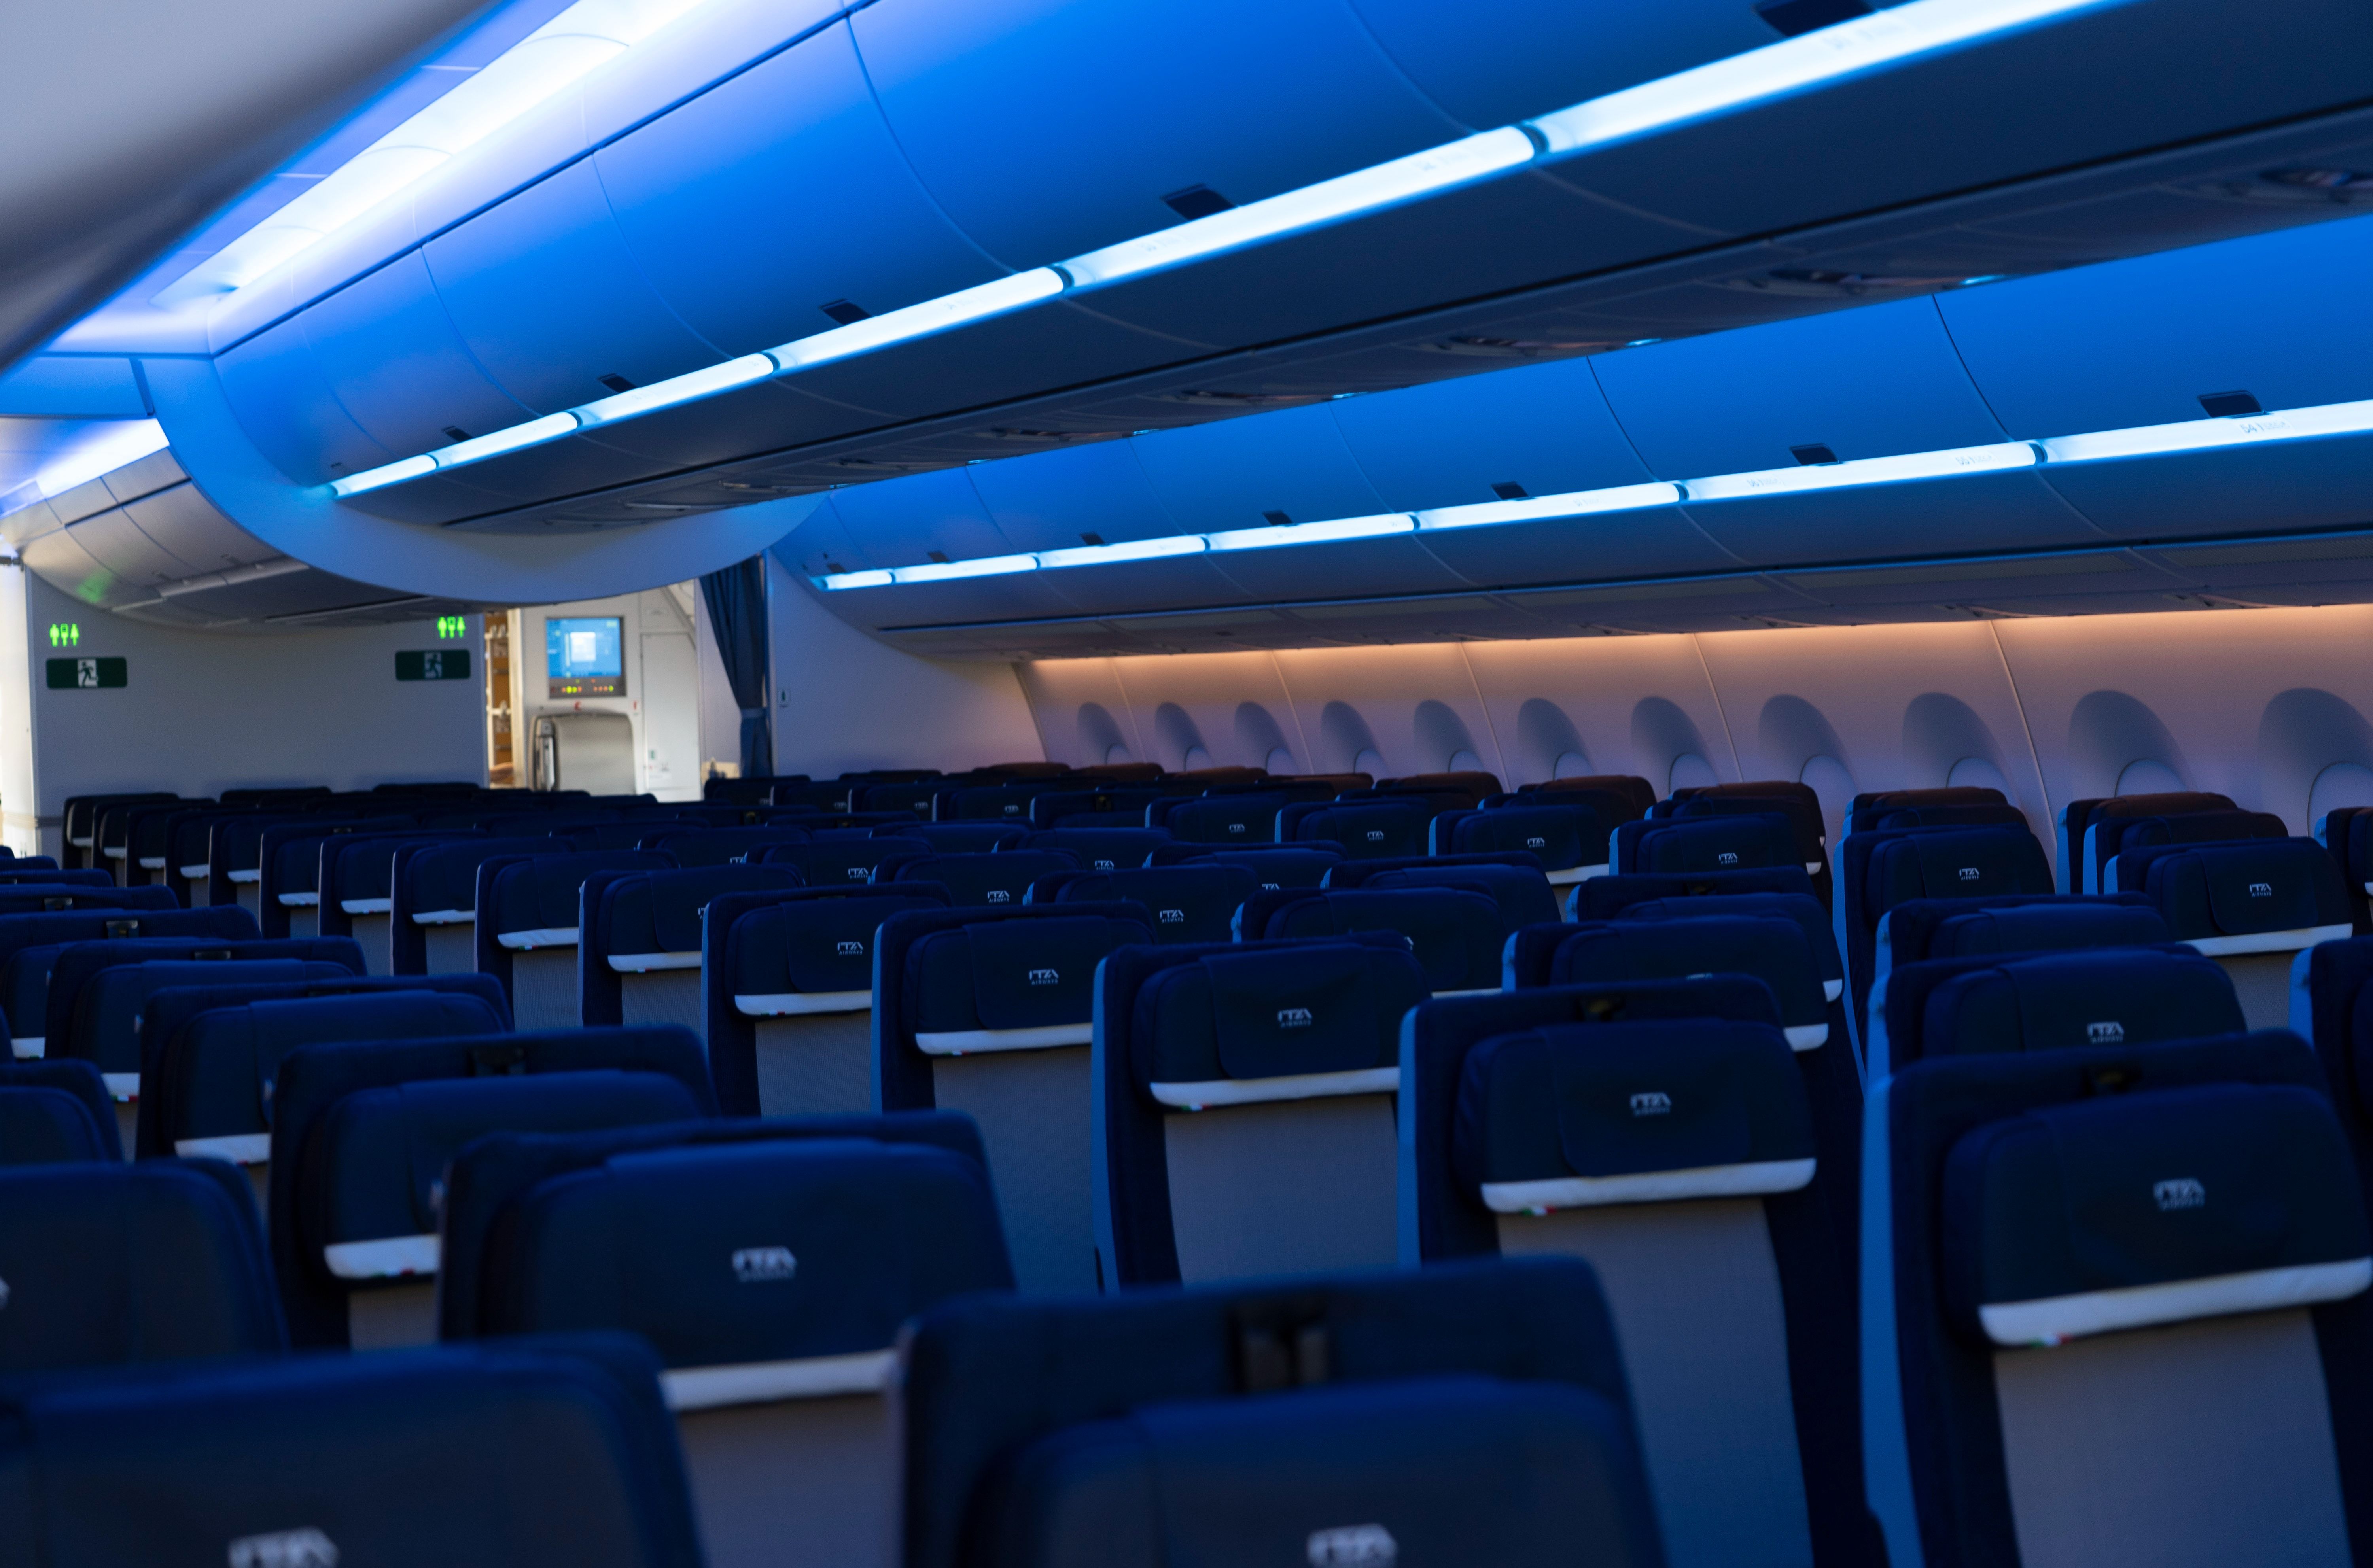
(2058, 452)
(1798, 64)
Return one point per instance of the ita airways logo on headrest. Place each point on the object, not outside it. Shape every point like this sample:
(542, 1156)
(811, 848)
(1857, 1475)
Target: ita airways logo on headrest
(1654, 1102)
(1727, 858)
(1537, 843)
(1046, 977)
(2262, 890)
(2107, 1032)
(1971, 873)
(763, 1265)
(999, 895)
(1375, 836)
(1104, 865)
(858, 874)
(1236, 828)
(1367, 1544)
(1293, 1018)
(2183, 1192)
(1013, 808)
(849, 949)
(1170, 916)
(284, 1549)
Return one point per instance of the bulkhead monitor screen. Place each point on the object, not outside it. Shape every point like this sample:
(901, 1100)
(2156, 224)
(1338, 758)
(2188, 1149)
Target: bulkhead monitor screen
(584, 656)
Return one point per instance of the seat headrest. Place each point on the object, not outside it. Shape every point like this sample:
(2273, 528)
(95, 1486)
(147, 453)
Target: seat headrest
(662, 911)
(109, 1263)
(1744, 842)
(1189, 903)
(998, 879)
(2100, 997)
(2043, 927)
(2246, 888)
(42, 1126)
(1366, 829)
(1801, 907)
(1564, 835)
(748, 1252)
(1428, 1470)
(818, 945)
(1772, 948)
(545, 1455)
(2154, 1207)
(377, 1160)
(1952, 862)
(1522, 893)
(1581, 1115)
(1280, 867)
(993, 976)
(1210, 1031)
(1101, 849)
(542, 893)
(1456, 934)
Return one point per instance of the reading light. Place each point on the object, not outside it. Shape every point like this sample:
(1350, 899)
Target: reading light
(984, 566)
(1796, 64)
(1956, 462)
(1132, 550)
(1541, 508)
(1313, 533)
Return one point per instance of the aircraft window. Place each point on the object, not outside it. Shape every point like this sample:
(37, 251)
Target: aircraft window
(2148, 778)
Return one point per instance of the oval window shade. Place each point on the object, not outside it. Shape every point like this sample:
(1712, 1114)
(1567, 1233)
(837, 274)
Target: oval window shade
(1280, 762)
(2148, 776)
(1571, 765)
(1692, 771)
(1978, 773)
(1117, 752)
(1197, 757)
(1465, 762)
(1369, 761)
(2342, 784)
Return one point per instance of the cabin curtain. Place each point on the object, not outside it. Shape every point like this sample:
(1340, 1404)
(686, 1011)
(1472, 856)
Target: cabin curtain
(737, 612)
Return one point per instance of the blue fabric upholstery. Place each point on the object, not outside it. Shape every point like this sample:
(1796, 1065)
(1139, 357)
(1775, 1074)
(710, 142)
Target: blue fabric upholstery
(29, 944)
(1620, 1099)
(78, 1079)
(488, 1180)
(1053, 808)
(626, 913)
(838, 861)
(2110, 837)
(2076, 818)
(444, 878)
(717, 846)
(1189, 903)
(1900, 1008)
(963, 837)
(652, 1241)
(108, 1264)
(45, 1125)
(987, 804)
(2242, 889)
(1940, 1485)
(1435, 1221)
(1751, 841)
(213, 1077)
(77, 964)
(1801, 907)
(1513, 880)
(2065, 1200)
(315, 1080)
(537, 1452)
(102, 1021)
(2047, 922)
(1100, 848)
(1277, 865)
(1772, 948)
(2059, 1001)
(360, 868)
(1219, 819)
(1879, 869)
(1552, 1075)
(990, 880)
(806, 941)
(1564, 835)
(924, 979)
(1456, 934)
(1037, 1431)
(1368, 830)
(1603, 897)
(541, 893)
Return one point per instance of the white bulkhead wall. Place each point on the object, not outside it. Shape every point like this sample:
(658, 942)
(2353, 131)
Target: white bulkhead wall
(2271, 706)
(203, 711)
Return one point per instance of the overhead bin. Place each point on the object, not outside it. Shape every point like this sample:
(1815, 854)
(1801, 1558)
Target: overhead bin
(1877, 381)
(2286, 318)
(1461, 57)
(1285, 468)
(1049, 128)
(1537, 429)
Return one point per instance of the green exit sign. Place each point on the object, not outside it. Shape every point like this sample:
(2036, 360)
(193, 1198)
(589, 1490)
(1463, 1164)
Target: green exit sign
(84, 674)
(66, 634)
(454, 629)
(435, 664)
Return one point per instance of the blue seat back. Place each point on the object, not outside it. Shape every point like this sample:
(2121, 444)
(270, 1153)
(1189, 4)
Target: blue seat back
(1219, 819)
(1188, 903)
(1566, 837)
(2285, 888)
(109, 1264)
(1368, 830)
(48, 1117)
(1001, 879)
(1456, 934)
(1100, 848)
(1427, 1387)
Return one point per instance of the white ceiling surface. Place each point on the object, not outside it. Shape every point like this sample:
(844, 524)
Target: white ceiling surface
(130, 121)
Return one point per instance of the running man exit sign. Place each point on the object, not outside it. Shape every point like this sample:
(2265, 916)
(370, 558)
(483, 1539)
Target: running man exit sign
(84, 674)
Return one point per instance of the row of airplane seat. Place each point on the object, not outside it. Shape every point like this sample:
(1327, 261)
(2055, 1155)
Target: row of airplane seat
(1791, 1202)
